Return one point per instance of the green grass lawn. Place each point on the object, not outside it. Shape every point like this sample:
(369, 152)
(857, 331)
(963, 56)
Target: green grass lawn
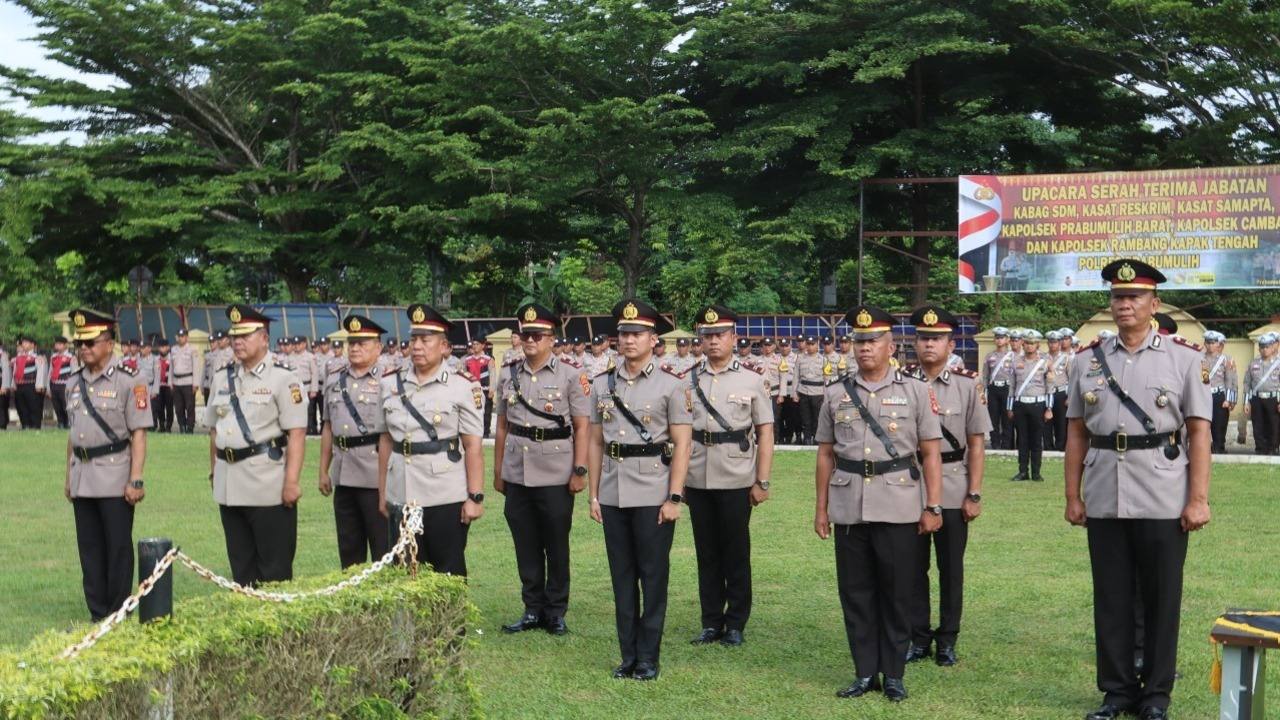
(1026, 646)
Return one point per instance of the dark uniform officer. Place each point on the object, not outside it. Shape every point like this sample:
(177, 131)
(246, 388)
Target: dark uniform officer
(540, 464)
(729, 469)
(638, 458)
(353, 423)
(961, 407)
(879, 497)
(1219, 371)
(431, 448)
(1030, 405)
(1130, 398)
(109, 418)
(257, 415)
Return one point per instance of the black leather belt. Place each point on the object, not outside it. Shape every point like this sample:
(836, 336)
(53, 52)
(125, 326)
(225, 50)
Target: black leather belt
(178, 375)
(951, 456)
(618, 451)
(354, 441)
(539, 434)
(235, 455)
(1119, 442)
(813, 383)
(869, 468)
(719, 438)
(89, 453)
(429, 447)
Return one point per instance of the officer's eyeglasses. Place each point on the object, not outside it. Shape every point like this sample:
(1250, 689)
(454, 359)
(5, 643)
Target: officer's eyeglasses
(88, 343)
(533, 336)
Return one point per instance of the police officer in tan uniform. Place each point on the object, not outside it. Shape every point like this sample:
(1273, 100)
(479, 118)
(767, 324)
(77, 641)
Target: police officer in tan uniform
(431, 450)
(962, 414)
(997, 370)
(638, 460)
(729, 468)
(1262, 395)
(1138, 436)
(182, 368)
(353, 423)
(876, 497)
(812, 372)
(682, 360)
(599, 359)
(1219, 371)
(1030, 405)
(110, 413)
(257, 419)
(540, 465)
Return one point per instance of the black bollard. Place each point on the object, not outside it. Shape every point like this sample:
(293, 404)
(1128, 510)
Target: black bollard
(395, 515)
(159, 602)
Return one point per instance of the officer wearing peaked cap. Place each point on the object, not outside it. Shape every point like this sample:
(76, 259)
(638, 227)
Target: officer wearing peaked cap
(875, 497)
(353, 423)
(729, 470)
(109, 412)
(540, 465)
(1030, 405)
(1219, 373)
(1261, 393)
(638, 460)
(432, 446)
(257, 419)
(1138, 440)
(813, 371)
(1059, 358)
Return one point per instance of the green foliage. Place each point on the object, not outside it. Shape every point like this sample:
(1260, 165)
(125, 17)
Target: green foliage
(392, 644)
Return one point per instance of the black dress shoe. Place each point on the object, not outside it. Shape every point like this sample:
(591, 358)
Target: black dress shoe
(917, 652)
(1018, 478)
(946, 656)
(556, 626)
(624, 671)
(645, 671)
(732, 638)
(1153, 713)
(528, 621)
(1106, 712)
(860, 687)
(894, 690)
(1037, 478)
(706, 637)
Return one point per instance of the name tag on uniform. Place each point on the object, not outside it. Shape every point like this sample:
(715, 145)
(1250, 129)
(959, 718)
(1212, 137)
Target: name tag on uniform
(262, 391)
(894, 401)
(108, 394)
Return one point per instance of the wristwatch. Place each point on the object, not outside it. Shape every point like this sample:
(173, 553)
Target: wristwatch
(136, 484)
(764, 485)
(975, 497)
(476, 498)
(935, 509)
(676, 498)
(580, 470)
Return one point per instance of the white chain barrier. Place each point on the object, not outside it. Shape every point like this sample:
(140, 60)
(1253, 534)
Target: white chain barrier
(406, 549)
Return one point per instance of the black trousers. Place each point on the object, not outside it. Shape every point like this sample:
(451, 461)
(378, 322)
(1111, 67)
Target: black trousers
(1001, 425)
(1266, 425)
(362, 531)
(722, 537)
(163, 409)
(809, 407)
(875, 572)
(1055, 428)
(184, 407)
(4, 411)
(58, 394)
(540, 519)
(488, 412)
(261, 542)
(1028, 423)
(443, 542)
(104, 537)
(1218, 425)
(639, 551)
(313, 415)
(30, 406)
(1150, 553)
(948, 545)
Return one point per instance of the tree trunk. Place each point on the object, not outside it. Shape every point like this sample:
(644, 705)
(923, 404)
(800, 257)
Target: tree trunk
(298, 284)
(634, 262)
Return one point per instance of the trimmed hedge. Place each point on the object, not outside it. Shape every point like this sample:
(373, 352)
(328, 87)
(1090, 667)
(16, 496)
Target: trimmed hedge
(390, 648)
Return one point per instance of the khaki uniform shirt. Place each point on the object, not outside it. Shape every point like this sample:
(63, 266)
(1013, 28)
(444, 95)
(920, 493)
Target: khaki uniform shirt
(680, 365)
(597, 364)
(304, 364)
(809, 377)
(998, 367)
(560, 388)
(273, 403)
(1143, 484)
(901, 405)
(741, 395)
(1031, 379)
(658, 399)
(838, 366)
(453, 403)
(1060, 364)
(1257, 378)
(147, 370)
(962, 410)
(357, 466)
(1219, 373)
(182, 366)
(123, 401)
(6, 371)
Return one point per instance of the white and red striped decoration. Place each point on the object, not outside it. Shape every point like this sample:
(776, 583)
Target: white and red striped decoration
(980, 220)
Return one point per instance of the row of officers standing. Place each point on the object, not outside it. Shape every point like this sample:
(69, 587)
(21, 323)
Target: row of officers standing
(898, 474)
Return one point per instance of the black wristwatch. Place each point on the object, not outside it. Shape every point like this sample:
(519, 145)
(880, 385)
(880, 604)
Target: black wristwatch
(476, 498)
(975, 497)
(935, 509)
(580, 470)
(136, 484)
(676, 498)
(764, 485)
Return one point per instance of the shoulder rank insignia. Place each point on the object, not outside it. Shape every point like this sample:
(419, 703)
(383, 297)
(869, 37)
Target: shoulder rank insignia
(1179, 340)
(127, 370)
(965, 372)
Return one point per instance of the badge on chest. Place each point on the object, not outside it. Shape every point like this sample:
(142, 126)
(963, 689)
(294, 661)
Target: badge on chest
(901, 401)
